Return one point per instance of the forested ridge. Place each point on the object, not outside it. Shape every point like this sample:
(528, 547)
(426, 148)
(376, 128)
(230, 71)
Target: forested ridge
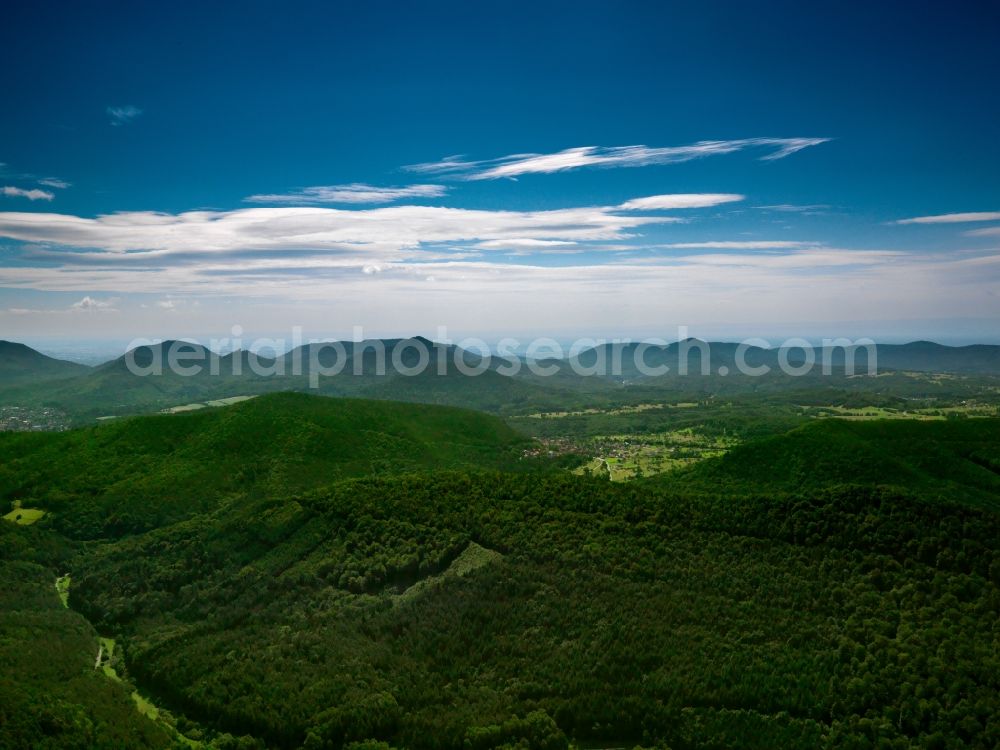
(949, 459)
(142, 473)
(437, 604)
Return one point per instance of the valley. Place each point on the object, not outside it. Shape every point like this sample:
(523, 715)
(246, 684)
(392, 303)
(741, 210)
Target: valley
(418, 572)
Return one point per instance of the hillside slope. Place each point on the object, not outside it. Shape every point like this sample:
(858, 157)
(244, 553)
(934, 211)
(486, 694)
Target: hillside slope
(22, 364)
(956, 459)
(142, 472)
(603, 613)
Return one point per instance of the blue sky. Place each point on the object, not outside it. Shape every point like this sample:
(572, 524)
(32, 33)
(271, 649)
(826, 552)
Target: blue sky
(178, 169)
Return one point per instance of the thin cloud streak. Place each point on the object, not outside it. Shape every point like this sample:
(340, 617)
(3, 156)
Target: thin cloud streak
(953, 218)
(521, 244)
(356, 192)
(514, 165)
(740, 245)
(680, 200)
(987, 232)
(51, 182)
(792, 208)
(825, 258)
(32, 195)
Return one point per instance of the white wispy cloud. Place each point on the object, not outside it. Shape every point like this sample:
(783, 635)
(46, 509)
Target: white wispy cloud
(92, 304)
(739, 245)
(679, 200)
(522, 243)
(356, 192)
(959, 218)
(86, 305)
(123, 114)
(799, 259)
(32, 195)
(527, 247)
(986, 232)
(811, 209)
(386, 231)
(51, 182)
(515, 165)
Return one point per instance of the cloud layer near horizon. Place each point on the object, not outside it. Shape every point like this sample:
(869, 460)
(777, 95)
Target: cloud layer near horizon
(365, 231)
(432, 265)
(327, 295)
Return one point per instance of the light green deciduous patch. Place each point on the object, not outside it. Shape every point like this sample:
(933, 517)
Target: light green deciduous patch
(25, 516)
(471, 559)
(62, 588)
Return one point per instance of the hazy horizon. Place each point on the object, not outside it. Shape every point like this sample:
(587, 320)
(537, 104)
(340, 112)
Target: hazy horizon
(98, 351)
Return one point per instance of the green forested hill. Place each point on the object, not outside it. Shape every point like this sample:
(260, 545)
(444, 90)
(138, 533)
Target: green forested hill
(959, 459)
(22, 364)
(296, 571)
(142, 472)
(607, 614)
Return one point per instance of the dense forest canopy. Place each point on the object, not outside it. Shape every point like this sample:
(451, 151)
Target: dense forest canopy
(299, 571)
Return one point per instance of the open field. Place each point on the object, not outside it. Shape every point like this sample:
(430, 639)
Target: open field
(105, 653)
(145, 707)
(927, 413)
(62, 588)
(207, 404)
(615, 411)
(24, 516)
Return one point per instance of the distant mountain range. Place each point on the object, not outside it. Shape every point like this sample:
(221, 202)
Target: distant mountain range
(917, 356)
(21, 361)
(412, 372)
(114, 388)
